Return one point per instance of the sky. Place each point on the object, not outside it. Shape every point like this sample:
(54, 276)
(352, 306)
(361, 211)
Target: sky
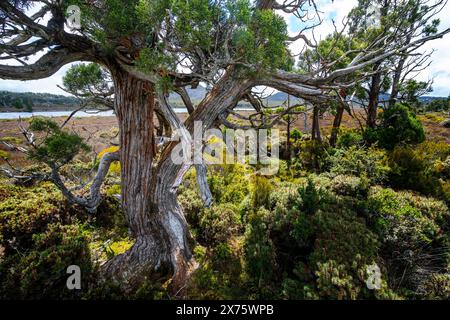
(439, 70)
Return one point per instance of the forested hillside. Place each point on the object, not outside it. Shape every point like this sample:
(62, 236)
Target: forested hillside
(27, 101)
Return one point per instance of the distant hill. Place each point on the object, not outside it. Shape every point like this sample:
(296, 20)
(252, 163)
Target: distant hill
(423, 99)
(28, 101)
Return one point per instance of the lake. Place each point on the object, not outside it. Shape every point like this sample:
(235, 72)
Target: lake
(80, 114)
(50, 114)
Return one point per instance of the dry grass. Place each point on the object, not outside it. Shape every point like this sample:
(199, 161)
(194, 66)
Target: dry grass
(101, 132)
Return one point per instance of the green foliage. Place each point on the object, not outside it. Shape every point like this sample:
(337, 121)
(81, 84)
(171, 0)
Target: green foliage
(296, 134)
(398, 126)
(342, 236)
(312, 154)
(438, 105)
(230, 183)
(399, 222)
(414, 240)
(259, 249)
(437, 287)
(411, 90)
(311, 198)
(335, 282)
(349, 185)
(195, 20)
(32, 99)
(421, 168)
(371, 163)
(12, 140)
(261, 192)
(27, 211)
(349, 138)
(85, 79)
(4, 154)
(219, 223)
(40, 273)
(58, 147)
(261, 40)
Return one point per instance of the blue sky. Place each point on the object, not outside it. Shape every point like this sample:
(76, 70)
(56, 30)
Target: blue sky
(439, 70)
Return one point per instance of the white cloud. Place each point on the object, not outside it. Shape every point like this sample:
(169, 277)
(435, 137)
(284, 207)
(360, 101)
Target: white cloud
(439, 69)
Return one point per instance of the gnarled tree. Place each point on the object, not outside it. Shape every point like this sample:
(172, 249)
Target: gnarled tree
(151, 47)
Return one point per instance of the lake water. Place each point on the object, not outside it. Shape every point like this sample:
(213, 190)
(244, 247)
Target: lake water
(80, 114)
(50, 114)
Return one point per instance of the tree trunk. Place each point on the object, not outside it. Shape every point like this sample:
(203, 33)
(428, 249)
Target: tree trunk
(159, 247)
(374, 92)
(337, 119)
(288, 142)
(315, 131)
(398, 74)
(396, 82)
(149, 192)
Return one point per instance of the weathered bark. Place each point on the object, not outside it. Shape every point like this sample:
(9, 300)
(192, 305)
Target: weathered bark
(374, 92)
(155, 220)
(338, 119)
(315, 131)
(288, 142)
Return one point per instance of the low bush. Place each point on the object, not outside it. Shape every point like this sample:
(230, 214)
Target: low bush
(41, 271)
(398, 126)
(27, 211)
(421, 168)
(219, 223)
(371, 163)
(349, 138)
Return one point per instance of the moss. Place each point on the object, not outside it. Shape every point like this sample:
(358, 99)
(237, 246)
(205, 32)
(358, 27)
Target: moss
(4, 154)
(118, 247)
(26, 211)
(114, 168)
(13, 140)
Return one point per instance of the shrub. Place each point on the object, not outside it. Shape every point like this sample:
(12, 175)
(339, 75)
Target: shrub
(438, 105)
(398, 126)
(341, 236)
(349, 138)
(4, 154)
(371, 163)
(229, 183)
(296, 134)
(349, 185)
(58, 146)
(192, 205)
(419, 168)
(261, 192)
(399, 223)
(414, 241)
(437, 287)
(312, 154)
(27, 211)
(219, 223)
(339, 281)
(12, 140)
(334, 282)
(40, 273)
(311, 198)
(259, 250)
